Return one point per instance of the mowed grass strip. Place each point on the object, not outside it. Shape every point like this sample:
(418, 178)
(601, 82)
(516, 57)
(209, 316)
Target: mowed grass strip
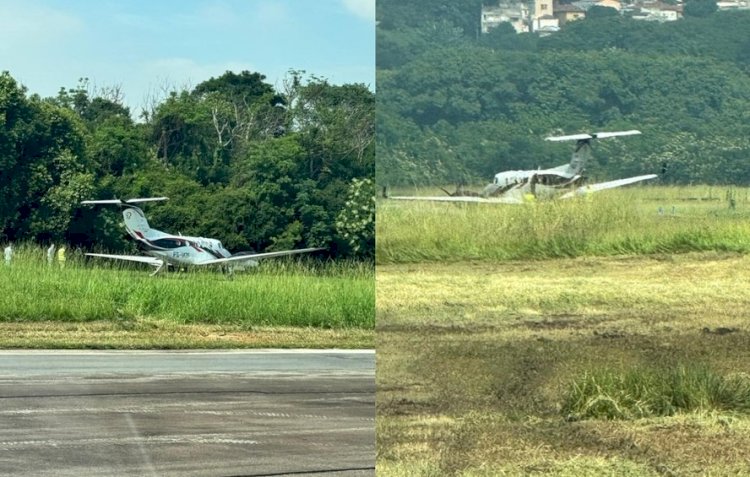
(286, 293)
(639, 220)
(476, 361)
(565, 297)
(158, 334)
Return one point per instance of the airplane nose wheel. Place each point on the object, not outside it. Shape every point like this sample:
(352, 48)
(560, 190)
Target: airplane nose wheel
(228, 271)
(159, 268)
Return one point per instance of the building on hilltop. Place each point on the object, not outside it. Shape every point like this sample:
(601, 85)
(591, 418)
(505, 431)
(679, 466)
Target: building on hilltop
(546, 25)
(654, 11)
(515, 13)
(567, 12)
(734, 5)
(524, 16)
(587, 4)
(548, 16)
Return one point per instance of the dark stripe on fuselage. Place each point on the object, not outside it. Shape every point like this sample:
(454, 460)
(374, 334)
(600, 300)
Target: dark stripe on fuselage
(189, 243)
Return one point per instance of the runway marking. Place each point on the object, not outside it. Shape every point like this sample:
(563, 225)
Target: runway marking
(136, 440)
(176, 408)
(309, 472)
(141, 448)
(33, 352)
(173, 439)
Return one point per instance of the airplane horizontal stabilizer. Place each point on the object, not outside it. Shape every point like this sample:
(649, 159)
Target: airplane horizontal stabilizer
(120, 202)
(607, 185)
(146, 199)
(257, 256)
(604, 135)
(599, 135)
(109, 201)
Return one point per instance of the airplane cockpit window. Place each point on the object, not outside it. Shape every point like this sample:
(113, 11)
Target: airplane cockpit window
(168, 243)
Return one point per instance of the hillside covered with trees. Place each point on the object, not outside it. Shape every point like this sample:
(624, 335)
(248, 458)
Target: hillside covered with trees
(259, 169)
(455, 106)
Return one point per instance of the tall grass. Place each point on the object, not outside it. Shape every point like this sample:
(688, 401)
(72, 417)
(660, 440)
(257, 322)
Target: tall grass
(278, 293)
(640, 393)
(645, 220)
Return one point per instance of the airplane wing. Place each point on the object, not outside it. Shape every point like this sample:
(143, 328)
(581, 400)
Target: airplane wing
(258, 256)
(604, 135)
(479, 200)
(606, 185)
(132, 258)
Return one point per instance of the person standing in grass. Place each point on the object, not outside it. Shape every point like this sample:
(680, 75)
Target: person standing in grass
(8, 254)
(61, 257)
(50, 254)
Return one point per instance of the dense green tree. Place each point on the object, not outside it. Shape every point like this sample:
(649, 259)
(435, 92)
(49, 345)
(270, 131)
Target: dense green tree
(700, 8)
(257, 168)
(44, 170)
(457, 114)
(598, 11)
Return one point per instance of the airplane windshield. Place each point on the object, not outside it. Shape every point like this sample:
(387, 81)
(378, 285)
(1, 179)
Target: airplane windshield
(168, 243)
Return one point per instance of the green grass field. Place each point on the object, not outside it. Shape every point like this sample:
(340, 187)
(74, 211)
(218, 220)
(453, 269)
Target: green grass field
(641, 220)
(280, 294)
(606, 360)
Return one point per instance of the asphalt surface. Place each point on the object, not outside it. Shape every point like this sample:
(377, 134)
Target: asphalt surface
(248, 413)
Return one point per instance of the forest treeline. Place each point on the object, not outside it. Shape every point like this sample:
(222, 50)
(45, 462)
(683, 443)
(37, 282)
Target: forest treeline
(257, 168)
(456, 106)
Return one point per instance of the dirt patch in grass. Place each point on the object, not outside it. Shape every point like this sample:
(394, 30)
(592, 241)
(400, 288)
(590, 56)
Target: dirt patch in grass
(479, 390)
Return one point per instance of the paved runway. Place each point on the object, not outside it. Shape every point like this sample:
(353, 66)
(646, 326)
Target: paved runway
(237, 413)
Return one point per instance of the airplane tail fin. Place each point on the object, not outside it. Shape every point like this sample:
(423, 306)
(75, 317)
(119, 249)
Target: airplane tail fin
(135, 221)
(583, 146)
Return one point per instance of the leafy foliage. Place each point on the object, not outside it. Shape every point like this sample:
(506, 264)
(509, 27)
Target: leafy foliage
(356, 223)
(260, 169)
(459, 110)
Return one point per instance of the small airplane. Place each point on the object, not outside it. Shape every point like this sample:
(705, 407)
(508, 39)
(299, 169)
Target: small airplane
(165, 249)
(562, 182)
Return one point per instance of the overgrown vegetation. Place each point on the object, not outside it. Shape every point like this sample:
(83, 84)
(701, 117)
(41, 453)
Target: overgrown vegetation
(284, 293)
(259, 169)
(650, 392)
(644, 220)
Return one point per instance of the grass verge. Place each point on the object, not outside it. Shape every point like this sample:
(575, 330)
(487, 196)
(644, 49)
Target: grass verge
(147, 334)
(332, 304)
(641, 220)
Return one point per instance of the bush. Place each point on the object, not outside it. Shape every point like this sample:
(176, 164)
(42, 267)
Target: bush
(639, 393)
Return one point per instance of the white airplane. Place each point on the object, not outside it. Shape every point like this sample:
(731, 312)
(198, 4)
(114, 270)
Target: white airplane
(562, 182)
(165, 249)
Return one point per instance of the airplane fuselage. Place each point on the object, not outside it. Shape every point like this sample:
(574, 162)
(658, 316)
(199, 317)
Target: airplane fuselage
(181, 250)
(184, 250)
(561, 173)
